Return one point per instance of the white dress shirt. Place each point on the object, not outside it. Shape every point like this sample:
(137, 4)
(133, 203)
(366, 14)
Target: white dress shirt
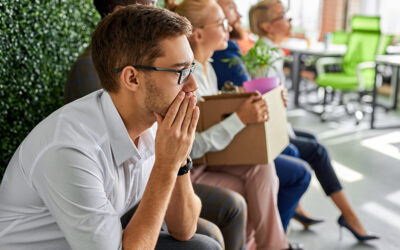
(219, 136)
(73, 177)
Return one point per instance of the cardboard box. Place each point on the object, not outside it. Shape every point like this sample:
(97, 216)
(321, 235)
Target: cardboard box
(257, 143)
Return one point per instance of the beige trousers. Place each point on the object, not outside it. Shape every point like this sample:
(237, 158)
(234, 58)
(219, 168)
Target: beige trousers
(259, 185)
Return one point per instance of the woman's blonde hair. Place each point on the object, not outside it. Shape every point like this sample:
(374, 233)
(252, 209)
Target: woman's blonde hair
(259, 14)
(193, 10)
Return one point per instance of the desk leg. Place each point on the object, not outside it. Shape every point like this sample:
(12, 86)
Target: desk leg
(374, 97)
(396, 89)
(296, 77)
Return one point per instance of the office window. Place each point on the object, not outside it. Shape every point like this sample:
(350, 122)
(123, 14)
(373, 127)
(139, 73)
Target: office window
(306, 17)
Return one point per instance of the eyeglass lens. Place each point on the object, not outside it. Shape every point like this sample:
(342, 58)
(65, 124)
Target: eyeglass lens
(186, 74)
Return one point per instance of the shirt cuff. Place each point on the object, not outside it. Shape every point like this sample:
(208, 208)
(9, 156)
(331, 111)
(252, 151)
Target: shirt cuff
(233, 124)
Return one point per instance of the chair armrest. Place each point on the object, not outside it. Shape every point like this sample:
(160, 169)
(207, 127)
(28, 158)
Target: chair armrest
(360, 67)
(324, 61)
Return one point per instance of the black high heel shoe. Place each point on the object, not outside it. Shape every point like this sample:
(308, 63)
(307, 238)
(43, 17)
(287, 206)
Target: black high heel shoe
(369, 236)
(305, 220)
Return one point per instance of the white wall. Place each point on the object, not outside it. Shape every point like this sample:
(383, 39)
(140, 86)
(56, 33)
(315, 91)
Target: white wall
(390, 16)
(370, 7)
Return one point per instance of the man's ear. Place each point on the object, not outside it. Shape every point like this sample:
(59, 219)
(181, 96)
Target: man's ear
(129, 78)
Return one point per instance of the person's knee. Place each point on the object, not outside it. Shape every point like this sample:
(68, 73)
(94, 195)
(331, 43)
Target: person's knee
(197, 242)
(238, 203)
(322, 152)
(235, 205)
(200, 242)
(211, 230)
(303, 173)
(291, 150)
(305, 181)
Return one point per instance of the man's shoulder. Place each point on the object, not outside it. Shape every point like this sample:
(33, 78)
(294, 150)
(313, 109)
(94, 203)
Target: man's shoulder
(78, 123)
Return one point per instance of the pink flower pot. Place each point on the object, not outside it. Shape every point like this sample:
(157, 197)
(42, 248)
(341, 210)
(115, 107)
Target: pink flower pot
(262, 85)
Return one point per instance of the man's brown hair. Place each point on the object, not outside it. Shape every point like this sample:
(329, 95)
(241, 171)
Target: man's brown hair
(132, 36)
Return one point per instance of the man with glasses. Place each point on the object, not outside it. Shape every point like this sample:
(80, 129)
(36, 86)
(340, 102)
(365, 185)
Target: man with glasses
(82, 78)
(89, 162)
(222, 209)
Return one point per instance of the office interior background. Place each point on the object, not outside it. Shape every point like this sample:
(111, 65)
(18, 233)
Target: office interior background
(39, 40)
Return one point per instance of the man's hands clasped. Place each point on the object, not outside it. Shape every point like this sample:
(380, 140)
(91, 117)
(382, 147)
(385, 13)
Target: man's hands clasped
(176, 132)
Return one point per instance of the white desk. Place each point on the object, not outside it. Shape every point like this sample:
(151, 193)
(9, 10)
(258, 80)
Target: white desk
(394, 61)
(393, 49)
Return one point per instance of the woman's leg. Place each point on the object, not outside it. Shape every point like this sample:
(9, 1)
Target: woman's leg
(294, 179)
(317, 156)
(304, 134)
(340, 200)
(259, 186)
(291, 150)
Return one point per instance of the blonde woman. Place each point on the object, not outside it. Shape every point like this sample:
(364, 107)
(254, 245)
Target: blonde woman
(268, 20)
(257, 183)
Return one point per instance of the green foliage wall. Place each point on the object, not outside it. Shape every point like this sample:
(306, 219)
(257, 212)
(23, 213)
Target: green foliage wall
(39, 40)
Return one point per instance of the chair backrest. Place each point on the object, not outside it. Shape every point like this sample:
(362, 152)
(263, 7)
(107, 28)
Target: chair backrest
(363, 42)
(384, 42)
(340, 37)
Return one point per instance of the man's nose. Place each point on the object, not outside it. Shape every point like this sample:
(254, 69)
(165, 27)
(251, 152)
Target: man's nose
(190, 85)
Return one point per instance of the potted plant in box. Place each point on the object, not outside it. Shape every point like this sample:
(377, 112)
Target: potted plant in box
(258, 61)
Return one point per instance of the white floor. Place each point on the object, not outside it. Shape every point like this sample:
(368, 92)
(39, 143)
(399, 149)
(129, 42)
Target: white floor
(368, 165)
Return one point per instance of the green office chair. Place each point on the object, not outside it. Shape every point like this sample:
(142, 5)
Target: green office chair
(358, 67)
(340, 37)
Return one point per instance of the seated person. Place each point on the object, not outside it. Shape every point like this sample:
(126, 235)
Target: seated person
(223, 214)
(91, 161)
(268, 21)
(257, 183)
(290, 170)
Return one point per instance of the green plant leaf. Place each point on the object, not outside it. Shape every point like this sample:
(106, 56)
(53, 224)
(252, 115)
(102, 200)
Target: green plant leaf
(260, 58)
(39, 40)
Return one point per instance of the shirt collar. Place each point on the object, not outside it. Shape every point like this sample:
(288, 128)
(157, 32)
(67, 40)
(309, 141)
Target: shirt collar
(269, 42)
(232, 45)
(121, 144)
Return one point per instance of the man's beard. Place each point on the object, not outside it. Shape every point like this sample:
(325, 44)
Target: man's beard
(237, 32)
(155, 100)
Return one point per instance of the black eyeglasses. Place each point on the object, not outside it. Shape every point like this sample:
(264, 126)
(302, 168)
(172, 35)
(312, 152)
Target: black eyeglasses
(184, 74)
(224, 23)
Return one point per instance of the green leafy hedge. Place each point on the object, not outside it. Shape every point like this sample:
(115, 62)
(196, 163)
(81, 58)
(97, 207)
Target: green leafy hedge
(39, 40)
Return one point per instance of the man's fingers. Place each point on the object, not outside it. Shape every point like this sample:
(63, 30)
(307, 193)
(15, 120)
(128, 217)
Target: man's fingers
(159, 118)
(173, 109)
(189, 114)
(182, 112)
(194, 120)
